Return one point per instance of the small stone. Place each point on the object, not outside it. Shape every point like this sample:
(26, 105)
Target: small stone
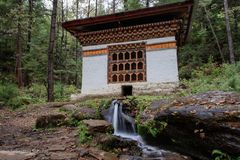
(102, 154)
(128, 157)
(69, 108)
(83, 152)
(202, 135)
(55, 148)
(16, 155)
(63, 156)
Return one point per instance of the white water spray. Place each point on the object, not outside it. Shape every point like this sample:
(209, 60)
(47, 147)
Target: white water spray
(124, 127)
(115, 118)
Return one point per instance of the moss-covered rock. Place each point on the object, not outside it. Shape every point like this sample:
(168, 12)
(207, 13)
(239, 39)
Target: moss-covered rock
(196, 125)
(52, 120)
(85, 113)
(111, 143)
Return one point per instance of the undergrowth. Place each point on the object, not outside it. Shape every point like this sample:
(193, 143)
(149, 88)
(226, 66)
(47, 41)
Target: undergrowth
(12, 96)
(83, 133)
(219, 155)
(210, 77)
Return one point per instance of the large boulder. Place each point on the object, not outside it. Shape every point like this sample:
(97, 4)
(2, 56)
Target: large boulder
(110, 143)
(197, 125)
(85, 113)
(52, 120)
(97, 126)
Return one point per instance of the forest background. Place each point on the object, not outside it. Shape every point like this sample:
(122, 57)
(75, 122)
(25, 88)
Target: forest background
(208, 61)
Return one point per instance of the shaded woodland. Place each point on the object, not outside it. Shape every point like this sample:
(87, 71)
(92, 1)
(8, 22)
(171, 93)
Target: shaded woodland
(38, 55)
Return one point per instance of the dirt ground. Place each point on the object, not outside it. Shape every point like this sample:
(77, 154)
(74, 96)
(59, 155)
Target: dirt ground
(18, 133)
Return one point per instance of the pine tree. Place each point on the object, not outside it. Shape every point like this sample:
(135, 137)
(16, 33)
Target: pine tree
(51, 52)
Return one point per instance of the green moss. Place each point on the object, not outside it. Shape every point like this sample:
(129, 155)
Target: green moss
(95, 102)
(152, 128)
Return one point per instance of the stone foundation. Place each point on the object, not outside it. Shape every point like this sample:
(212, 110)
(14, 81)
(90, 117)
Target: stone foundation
(139, 88)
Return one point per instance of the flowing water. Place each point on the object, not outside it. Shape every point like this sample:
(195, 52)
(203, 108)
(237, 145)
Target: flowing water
(124, 127)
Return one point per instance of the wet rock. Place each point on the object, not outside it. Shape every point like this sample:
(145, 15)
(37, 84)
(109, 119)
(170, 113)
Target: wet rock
(105, 114)
(97, 126)
(100, 154)
(196, 125)
(69, 108)
(48, 121)
(110, 143)
(85, 113)
(174, 156)
(16, 155)
(63, 156)
(128, 157)
(83, 152)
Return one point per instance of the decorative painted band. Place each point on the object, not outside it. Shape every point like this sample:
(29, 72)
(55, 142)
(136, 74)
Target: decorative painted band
(95, 52)
(149, 47)
(161, 46)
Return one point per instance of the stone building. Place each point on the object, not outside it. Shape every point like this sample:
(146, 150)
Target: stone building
(132, 52)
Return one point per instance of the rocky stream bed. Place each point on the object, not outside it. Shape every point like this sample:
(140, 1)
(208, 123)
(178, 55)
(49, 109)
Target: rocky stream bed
(193, 127)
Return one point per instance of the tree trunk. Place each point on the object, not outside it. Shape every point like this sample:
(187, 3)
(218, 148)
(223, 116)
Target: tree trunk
(235, 15)
(214, 34)
(114, 6)
(77, 56)
(88, 11)
(66, 35)
(229, 34)
(147, 3)
(125, 5)
(62, 39)
(30, 11)
(19, 50)
(96, 7)
(51, 52)
(62, 31)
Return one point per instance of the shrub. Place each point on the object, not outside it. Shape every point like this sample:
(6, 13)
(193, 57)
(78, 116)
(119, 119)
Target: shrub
(63, 92)
(83, 133)
(213, 77)
(38, 92)
(219, 155)
(7, 92)
(19, 101)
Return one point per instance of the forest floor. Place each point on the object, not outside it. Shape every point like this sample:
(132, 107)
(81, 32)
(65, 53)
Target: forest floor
(20, 140)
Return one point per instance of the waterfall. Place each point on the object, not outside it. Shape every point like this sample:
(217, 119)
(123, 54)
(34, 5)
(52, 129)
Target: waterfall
(124, 127)
(123, 124)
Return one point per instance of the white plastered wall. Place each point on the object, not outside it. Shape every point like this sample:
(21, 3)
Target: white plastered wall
(162, 66)
(162, 71)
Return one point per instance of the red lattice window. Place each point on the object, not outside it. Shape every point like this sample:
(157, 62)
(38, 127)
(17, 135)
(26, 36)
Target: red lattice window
(127, 63)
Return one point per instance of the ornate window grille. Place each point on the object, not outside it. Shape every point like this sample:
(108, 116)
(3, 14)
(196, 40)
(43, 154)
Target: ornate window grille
(127, 63)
